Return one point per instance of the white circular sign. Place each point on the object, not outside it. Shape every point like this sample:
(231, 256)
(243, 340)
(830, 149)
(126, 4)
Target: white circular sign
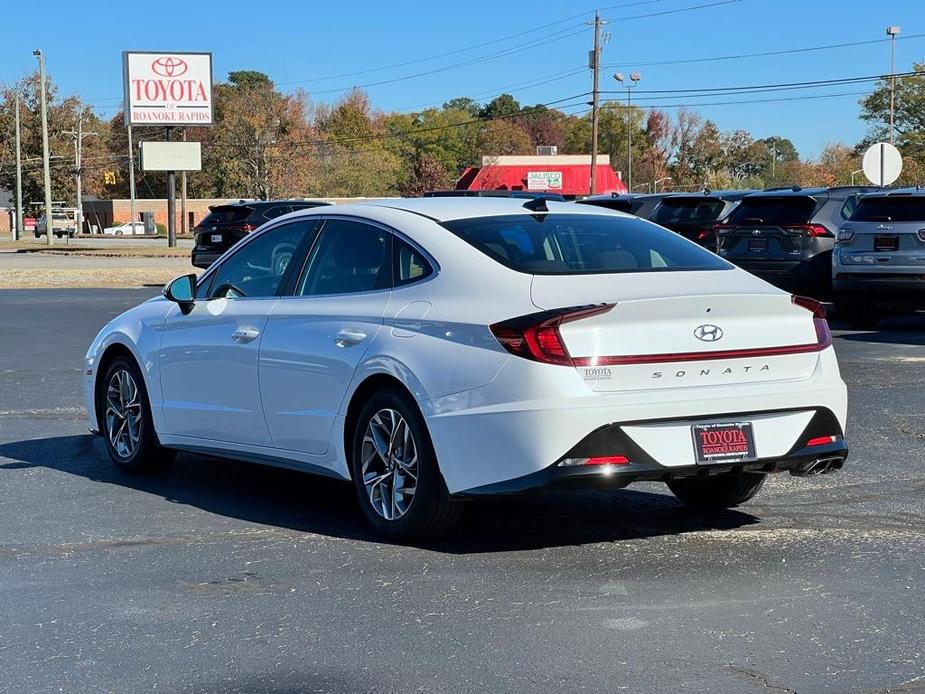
(882, 164)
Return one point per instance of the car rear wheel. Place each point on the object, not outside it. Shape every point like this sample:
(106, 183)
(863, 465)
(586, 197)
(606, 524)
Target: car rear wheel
(125, 420)
(721, 491)
(401, 491)
(860, 315)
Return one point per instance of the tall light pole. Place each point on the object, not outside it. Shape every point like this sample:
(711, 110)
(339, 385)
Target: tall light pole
(629, 84)
(17, 228)
(49, 226)
(892, 32)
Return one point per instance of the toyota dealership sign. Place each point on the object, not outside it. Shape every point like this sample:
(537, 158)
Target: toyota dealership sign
(168, 88)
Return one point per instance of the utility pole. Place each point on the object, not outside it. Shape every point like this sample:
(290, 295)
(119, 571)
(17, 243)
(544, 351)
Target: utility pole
(49, 226)
(171, 200)
(892, 32)
(595, 63)
(17, 227)
(79, 136)
(184, 223)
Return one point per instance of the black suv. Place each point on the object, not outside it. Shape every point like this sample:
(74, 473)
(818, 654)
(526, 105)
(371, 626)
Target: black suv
(639, 204)
(786, 236)
(695, 215)
(225, 225)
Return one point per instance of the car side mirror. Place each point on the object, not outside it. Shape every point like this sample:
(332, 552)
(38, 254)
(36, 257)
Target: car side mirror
(182, 291)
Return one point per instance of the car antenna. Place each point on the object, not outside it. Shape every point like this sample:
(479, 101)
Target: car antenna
(537, 204)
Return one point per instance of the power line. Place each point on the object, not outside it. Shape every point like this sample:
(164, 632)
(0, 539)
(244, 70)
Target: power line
(744, 101)
(677, 11)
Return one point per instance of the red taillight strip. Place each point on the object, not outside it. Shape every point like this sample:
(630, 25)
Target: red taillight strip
(699, 356)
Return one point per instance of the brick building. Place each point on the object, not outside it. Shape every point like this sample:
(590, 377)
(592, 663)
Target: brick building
(106, 213)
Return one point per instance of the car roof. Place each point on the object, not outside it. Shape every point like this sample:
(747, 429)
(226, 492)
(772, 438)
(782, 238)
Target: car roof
(441, 209)
(259, 203)
(719, 194)
(911, 190)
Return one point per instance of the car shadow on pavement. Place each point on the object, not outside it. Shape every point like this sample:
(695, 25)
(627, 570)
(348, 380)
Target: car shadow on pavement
(300, 501)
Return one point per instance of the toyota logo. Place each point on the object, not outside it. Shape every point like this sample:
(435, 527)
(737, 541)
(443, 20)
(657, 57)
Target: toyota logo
(708, 333)
(756, 233)
(169, 66)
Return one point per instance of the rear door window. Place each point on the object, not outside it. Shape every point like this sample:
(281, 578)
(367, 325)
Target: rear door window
(891, 209)
(567, 244)
(774, 211)
(349, 257)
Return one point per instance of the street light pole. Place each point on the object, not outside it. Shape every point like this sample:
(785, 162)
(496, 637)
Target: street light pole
(655, 185)
(49, 226)
(892, 32)
(17, 228)
(632, 82)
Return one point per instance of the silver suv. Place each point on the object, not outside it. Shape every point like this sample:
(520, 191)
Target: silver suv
(879, 258)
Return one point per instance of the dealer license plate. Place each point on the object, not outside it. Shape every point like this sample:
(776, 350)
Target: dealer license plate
(723, 443)
(216, 238)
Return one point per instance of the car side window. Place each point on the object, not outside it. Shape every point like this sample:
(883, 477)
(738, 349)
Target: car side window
(408, 264)
(257, 268)
(276, 211)
(348, 257)
(851, 204)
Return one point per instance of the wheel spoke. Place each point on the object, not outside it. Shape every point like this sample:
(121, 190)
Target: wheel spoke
(123, 413)
(389, 464)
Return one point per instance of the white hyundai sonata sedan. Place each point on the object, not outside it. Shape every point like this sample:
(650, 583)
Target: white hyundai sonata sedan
(439, 349)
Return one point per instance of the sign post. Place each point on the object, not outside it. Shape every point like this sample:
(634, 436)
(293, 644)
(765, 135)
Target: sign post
(168, 90)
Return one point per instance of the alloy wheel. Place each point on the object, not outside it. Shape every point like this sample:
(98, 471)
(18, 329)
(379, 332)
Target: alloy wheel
(389, 459)
(123, 413)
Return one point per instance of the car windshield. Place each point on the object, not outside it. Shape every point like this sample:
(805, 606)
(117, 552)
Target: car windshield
(891, 209)
(565, 244)
(688, 210)
(229, 213)
(785, 209)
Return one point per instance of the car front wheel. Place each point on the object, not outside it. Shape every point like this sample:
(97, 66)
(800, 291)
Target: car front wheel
(125, 420)
(401, 491)
(718, 492)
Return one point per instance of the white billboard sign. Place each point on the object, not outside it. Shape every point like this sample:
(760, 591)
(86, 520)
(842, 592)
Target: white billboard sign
(167, 88)
(171, 156)
(544, 180)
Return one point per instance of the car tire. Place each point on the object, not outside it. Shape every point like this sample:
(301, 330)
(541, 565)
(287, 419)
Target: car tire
(721, 491)
(381, 451)
(118, 232)
(859, 315)
(125, 420)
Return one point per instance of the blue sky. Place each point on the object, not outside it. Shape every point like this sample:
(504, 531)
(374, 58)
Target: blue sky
(325, 48)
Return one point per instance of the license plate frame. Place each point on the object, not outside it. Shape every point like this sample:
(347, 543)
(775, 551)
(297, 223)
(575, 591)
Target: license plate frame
(215, 238)
(723, 442)
(886, 243)
(757, 245)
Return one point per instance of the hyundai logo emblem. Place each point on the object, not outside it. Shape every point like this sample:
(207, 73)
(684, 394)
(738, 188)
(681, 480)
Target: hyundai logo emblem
(708, 333)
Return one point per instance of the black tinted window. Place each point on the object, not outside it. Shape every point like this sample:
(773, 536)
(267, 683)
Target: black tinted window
(890, 209)
(694, 210)
(409, 265)
(573, 244)
(229, 213)
(787, 209)
(276, 211)
(257, 268)
(616, 204)
(348, 257)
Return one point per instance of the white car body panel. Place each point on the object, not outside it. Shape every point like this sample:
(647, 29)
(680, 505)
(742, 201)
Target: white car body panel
(492, 416)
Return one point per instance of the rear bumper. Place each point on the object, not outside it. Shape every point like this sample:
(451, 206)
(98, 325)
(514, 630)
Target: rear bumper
(894, 288)
(612, 440)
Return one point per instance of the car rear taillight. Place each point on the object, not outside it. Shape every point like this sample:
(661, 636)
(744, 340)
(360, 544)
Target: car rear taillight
(247, 227)
(599, 460)
(814, 230)
(823, 334)
(821, 441)
(921, 233)
(537, 337)
(704, 234)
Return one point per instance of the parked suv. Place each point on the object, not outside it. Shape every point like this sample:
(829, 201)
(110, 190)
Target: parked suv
(639, 204)
(786, 237)
(879, 259)
(695, 215)
(225, 225)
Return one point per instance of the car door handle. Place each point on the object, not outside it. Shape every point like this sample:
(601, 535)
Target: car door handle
(245, 334)
(346, 338)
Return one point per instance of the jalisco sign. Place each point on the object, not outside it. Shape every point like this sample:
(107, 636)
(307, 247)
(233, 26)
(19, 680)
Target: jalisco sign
(544, 180)
(167, 88)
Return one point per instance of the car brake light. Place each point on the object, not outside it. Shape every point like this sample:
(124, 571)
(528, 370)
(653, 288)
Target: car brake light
(814, 230)
(537, 337)
(599, 460)
(823, 333)
(821, 441)
(247, 227)
(921, 234)
(704, 233)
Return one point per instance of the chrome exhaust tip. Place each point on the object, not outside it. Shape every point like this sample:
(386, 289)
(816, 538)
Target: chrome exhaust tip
(820, 466)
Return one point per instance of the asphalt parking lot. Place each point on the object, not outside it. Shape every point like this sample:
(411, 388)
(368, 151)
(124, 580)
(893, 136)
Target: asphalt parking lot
(228, 577)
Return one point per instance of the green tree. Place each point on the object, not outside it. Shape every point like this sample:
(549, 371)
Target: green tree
(464, 104)
(909, 113)
(500, 107)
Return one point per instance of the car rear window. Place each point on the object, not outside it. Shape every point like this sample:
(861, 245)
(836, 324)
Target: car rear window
(680, 210)
(571, 244)
(225, 214)
(786, 209)
(616, 204)
(890, 209)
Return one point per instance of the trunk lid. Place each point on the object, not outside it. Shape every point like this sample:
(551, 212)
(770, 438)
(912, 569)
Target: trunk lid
(680, 329)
